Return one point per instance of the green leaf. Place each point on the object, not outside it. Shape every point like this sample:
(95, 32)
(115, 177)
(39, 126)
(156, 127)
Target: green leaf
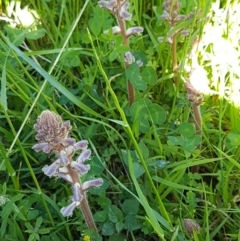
(137, 106)
(144, 112)
(34, 35)
(149, 75)
(117, 237)
(33, 237)
(114, 214)
(140, 56)
(29, 227)
(118, 41)
(15, 35)
(100, 216)
(44, 230)
(104, 202)
(39, 222)
(113, 55)
(176, 140)
(122, 49)
(186, 129)
(70, 58)
(119, 226)
(138, 169)
(95, 26)
(161, 164)
(157, 114)
(97, 166)
(133, 75)
(144, 126)
(191, 143)
(73, 61)
(130, 206)
(144, 149)
(232, 140)
(108, 229)
(32, 214)
(131, 223)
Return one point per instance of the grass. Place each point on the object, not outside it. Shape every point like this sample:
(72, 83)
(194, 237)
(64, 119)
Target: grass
(59, 59)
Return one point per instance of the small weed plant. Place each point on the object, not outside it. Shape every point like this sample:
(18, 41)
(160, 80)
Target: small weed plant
(119, 120)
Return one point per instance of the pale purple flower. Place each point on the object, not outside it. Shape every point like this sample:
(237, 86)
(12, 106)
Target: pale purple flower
(180, 17)
(69, 141)
(64, 176)
(43, 146)
(68, 211)
(51, 130)
(129, 58)
(139, 63)
(165, 15)
(81, 145)
(92, 183)
(191, 226)
(160, 39)
(115, 30)
(109, 5)
(63, 170)
(63, 159)
(185, 32)
(81, 168)
(51, 170)
(85, 155)
(134, 30)
(124, 13)
(77, 195)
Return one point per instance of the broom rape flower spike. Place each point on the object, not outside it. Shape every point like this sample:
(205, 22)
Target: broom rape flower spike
(53, 136)
(119, 8)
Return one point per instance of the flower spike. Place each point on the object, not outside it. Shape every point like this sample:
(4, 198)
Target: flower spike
(53, 136)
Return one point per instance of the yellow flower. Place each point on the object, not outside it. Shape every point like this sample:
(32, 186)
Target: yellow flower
(86, 238)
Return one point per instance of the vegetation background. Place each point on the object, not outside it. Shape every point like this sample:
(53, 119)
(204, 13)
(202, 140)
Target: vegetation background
(54, 55)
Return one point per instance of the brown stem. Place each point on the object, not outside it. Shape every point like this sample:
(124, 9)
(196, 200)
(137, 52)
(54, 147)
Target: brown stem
(84, 206)
(87, 213)
(198, 126)
(174, 58)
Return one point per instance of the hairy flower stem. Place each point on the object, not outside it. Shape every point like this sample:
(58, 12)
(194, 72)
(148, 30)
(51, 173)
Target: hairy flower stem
(86, 211)
(198, 126)
(84, 206)
(174, 58)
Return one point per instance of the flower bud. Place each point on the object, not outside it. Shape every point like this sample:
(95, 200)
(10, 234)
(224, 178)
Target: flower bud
(129, 58)
(115, 30)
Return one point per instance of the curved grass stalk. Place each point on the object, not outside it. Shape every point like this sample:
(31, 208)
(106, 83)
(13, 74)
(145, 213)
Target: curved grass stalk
(130, 133)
